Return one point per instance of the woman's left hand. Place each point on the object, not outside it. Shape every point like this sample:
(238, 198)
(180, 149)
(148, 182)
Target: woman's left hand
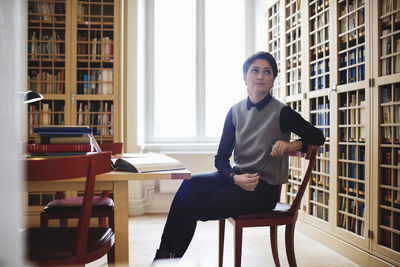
(279, 148)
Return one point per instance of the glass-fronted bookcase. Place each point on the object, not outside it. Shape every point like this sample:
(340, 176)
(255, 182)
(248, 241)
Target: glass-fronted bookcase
(73, 64)
(340, 68)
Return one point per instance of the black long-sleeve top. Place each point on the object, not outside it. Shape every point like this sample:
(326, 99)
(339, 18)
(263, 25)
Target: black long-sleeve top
(289, 120)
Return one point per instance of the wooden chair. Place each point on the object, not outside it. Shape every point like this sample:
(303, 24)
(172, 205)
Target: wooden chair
(63, 208)
(72, 246)
(283, 214)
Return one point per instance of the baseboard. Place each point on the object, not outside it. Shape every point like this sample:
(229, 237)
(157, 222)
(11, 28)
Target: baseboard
(359, 256)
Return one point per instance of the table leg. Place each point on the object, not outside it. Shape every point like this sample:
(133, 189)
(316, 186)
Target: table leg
(121, 222)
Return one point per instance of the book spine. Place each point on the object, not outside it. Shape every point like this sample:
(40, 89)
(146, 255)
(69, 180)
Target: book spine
(38, 148)
(45, 140)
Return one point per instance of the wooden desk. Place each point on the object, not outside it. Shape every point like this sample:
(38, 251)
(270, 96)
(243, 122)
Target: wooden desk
(118, 182)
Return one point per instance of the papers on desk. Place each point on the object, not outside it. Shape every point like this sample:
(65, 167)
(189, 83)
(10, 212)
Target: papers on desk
(151, 162)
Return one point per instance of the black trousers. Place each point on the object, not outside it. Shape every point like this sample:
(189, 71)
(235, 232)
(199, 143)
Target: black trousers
(208, 196)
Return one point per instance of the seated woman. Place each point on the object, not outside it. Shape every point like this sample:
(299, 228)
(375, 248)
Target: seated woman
(255, 128)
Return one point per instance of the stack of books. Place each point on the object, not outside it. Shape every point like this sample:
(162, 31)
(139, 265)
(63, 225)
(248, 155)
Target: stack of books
(62, 141)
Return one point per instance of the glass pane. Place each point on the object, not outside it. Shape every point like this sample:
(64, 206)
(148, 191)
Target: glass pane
(225, 54)
(175, 68)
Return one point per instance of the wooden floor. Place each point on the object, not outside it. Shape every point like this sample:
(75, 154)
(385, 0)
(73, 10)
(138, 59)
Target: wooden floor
(145, 232)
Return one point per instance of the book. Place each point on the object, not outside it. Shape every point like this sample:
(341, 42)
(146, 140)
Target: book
(57, 154)
(63, 130)
(57, 139)
(39, 148)
(142, 163)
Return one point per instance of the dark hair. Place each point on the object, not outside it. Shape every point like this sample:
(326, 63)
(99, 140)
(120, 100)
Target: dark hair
(261, 55)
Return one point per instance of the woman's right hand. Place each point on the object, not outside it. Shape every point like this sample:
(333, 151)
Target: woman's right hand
(246, 181)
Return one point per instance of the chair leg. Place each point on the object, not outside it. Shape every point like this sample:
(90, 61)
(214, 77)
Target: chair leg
(238, 245)
(274, 244)
(111, 255)
(289, 242)
(111, 252)
(221, 242)
(111, 222)
(44, 221)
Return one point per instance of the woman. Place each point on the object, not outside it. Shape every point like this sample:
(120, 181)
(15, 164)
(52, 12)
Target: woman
(254, 128)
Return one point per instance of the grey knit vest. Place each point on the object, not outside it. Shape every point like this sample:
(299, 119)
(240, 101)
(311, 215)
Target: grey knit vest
(256, 132)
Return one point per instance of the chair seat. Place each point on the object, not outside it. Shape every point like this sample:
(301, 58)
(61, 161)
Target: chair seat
(75, 204)
(47, 244)
(281, 210)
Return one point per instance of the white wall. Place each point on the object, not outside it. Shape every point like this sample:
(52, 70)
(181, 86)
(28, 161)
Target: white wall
(12, 79)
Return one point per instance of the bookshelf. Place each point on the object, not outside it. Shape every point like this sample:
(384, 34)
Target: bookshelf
(319, 188)
(295, 165)
(319, 109)
(73, 63)
(47, 62)
(351, 180)
(349, 87)
(351, 41)
(389, 182)
(389, 21)
(274, 43)
(293, 47)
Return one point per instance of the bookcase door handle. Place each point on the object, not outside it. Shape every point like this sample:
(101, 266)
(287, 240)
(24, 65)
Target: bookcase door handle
(331, 90)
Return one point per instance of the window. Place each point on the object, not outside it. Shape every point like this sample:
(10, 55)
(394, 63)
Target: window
(193, 71)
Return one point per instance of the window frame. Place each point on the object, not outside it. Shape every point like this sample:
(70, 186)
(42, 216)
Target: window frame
(146, 29)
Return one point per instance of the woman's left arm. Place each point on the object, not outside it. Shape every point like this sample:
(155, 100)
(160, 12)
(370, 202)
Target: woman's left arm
(291, 121)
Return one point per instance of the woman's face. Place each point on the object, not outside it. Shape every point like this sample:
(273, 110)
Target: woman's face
(259, 77)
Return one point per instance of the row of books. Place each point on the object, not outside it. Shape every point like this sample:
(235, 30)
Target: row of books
(96, 49)
(319, 36)
(323, 166)
(387, 200)
(352, 152)
(390, 134)
(100, 118)
(319, 210)
(47, 83)
(96, 10)
(390, 239)
(388, 6)
(46, 11)
(48, 45)
(351, 75)
(352, 170)
(352, 5)
(352, 223)
(320, 67)
(387, 96)
(320, 119)
(95, 82)
(38, 117)
(320, 82)
(350, 58)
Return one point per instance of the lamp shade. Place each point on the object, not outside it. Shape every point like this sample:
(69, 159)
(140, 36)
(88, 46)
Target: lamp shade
(32, 96)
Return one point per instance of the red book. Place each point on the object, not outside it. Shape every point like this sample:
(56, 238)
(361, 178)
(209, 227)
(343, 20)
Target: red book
(39, 148)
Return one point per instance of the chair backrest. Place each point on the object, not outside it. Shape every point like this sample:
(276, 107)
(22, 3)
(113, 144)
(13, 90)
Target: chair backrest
(61, 168)
(310, 156)
(115, 148)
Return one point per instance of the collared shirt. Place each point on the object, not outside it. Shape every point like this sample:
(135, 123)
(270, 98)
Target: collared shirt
(289, 121)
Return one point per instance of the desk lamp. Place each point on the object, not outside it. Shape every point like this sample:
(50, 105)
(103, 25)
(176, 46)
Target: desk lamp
(31, 96)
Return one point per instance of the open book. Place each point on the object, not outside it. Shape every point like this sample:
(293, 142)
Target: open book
(151, 162)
